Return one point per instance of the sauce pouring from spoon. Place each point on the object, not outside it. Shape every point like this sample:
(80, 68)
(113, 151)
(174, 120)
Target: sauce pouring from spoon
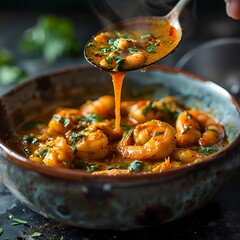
(133, 44)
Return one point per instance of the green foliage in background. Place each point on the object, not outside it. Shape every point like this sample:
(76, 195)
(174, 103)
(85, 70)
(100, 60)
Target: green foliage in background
(9, 73)
(52, 37)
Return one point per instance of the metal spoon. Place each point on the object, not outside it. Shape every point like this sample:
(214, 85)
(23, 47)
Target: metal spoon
(135, 43)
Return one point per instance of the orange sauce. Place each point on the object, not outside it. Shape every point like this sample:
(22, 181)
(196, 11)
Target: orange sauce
(117, 79)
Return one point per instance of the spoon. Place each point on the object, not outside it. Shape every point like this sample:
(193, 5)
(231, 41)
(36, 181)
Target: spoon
(135, 43)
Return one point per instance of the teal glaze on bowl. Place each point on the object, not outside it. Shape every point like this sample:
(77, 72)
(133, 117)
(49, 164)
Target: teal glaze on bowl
(115, 202)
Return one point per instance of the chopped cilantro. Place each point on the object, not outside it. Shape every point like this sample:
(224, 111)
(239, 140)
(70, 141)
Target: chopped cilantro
(136, 166)
(64, 121)
(147, 35)
(17, 221)
(207, 150)
(29, 139)
(151, 48)
(43, 152)
(187, 128)
(158, 134)
(75, 137)
(133, 49)
(92, 117)
(36, 235)
(120, 62)
(149, 107)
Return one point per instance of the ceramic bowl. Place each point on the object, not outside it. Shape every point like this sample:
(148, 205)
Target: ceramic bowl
(77, 198)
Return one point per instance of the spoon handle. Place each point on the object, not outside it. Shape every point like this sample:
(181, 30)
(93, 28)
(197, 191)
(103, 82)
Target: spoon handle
(173, 15)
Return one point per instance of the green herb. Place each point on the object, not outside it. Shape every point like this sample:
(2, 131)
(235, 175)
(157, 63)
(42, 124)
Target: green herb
(187, 128)
(158, 134)
(17, 221)
(61, 238)
(127, 134)
(5, 56)
(64, 121)
(147, 35)
(88, 167)
(136, 166)
(75, 137)
(36, 235)
(52, 37)
(120, 62)
(11, 74)
(43, 152)
(1, 230)
(27, 150)
(29, 139)
(150, 107)
(151, 48)
(109, 61)
(207, 150)
(92, 117)
(133, 50)
(126, 127)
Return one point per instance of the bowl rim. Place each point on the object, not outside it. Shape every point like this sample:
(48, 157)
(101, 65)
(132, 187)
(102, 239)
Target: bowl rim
(139, 178)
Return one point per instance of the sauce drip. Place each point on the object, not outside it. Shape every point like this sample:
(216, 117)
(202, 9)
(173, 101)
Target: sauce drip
(117, 79)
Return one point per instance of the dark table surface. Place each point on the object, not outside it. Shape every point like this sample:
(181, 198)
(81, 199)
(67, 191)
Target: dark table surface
(220, 219)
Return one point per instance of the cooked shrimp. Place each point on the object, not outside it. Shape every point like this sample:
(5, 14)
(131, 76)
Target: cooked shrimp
(196, 127)
(187, 155)
(56, 153)
(62, 120)
(103, 106)
(144, 111)
(150, 140)
(135, 60)
(92, 145)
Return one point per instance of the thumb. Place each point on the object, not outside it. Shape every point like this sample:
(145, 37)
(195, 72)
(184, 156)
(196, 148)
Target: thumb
(233, 8)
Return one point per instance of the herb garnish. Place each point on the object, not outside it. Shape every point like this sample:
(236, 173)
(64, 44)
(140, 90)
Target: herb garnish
(207, 150)
(92, 117)
(43, 152)
(136, 166)
(36, 234)
(1, 230)
(158, 134)
(147, 35)
(17, 221)
(120, 62)
(151, 48)
(150, 107)
(75, 137)
(29, 139)
(64, 121)
(187, 128)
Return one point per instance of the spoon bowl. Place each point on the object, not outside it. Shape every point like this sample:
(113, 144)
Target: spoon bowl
(135, 43)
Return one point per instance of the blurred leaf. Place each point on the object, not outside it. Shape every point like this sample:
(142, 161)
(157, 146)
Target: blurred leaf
(5, 56)
(52, 37)
(11, 74)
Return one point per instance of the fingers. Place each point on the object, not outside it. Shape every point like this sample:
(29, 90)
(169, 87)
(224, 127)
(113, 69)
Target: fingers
(233, 8)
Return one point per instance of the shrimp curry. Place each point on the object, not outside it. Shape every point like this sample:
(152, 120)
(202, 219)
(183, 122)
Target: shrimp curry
(153, 136)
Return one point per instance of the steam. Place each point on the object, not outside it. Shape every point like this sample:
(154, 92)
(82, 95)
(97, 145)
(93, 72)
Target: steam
(109, 11)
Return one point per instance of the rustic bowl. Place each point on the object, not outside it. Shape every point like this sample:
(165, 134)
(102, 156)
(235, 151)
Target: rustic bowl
(77, 198)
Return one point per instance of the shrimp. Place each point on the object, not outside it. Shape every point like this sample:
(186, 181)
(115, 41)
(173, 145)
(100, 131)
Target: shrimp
(150, 140)
(62, 120)
(92, 145)
(194, 127)
(143, 111)
(187, 155)
(55, 153)
(103, 106)
(135, 60)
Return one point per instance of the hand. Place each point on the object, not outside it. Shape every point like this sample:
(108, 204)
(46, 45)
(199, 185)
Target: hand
(233, 8)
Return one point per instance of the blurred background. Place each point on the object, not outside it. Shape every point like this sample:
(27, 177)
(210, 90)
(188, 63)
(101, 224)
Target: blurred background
(39, 36)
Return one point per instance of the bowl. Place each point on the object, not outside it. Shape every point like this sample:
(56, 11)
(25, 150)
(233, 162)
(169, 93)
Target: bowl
(120, 202)
(216, 60)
